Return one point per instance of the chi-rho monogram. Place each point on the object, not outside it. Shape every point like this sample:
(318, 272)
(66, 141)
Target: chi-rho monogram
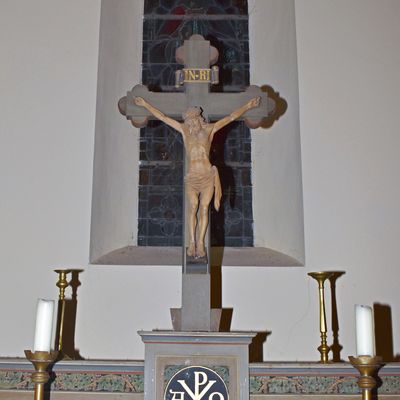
(196, 383)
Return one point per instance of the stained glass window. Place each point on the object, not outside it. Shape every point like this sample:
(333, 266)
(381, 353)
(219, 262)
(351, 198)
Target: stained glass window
(166, 24)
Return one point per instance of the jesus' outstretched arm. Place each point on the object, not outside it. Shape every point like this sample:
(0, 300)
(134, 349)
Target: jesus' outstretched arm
(253, 103)
(140, 101)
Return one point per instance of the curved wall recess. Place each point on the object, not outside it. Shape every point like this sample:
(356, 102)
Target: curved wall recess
(276, 153)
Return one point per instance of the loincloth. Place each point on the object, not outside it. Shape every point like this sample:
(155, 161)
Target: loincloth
(201, 181)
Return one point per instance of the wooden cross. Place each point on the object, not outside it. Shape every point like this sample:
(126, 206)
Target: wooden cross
(197, 55)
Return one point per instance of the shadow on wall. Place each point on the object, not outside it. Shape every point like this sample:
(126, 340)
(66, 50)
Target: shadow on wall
(384, 333)
(281, 106)
(66, 320)
(336, 347)
(257, 346)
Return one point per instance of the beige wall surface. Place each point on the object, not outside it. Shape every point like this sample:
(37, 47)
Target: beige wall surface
(276, 153)
(348, 63)
(116, 151)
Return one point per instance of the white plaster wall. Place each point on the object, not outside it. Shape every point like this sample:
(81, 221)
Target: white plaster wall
(349, 81)
(48, 70)
(277, 189)
(115, 180)
(349, 84)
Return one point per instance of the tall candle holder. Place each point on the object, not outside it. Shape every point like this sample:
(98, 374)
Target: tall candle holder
(41, 360)
(320, 277)
(368, 368)
(62, 284)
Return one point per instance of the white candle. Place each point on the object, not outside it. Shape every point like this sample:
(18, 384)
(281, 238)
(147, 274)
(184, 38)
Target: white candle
(365, 335)
(44, 325)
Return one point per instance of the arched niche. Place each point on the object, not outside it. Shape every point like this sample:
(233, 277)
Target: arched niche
(276, 152)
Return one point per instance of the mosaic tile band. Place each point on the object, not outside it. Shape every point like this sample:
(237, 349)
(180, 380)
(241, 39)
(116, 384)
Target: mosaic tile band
(312, 380)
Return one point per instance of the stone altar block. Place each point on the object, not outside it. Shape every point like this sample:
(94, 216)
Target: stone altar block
(168, 353)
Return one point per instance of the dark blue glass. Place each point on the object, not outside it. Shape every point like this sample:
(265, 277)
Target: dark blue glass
(231, 7)
(166, 24)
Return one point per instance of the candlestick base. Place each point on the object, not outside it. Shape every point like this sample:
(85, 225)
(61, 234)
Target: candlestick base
(368, 368)
(324, 350)
(41, 360)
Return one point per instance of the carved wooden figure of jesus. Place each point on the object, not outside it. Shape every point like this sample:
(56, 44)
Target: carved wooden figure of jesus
(202, 179)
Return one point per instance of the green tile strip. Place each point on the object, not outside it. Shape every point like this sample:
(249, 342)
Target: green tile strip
(303, 385)
(77, 382)
(317, 385)
(84, 382)
(15, 380)
(116, 381)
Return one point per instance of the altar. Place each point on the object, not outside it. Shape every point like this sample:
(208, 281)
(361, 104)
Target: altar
(124, 380)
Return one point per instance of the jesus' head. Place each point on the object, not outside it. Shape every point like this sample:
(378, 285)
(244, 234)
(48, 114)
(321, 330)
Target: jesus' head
(193, 118)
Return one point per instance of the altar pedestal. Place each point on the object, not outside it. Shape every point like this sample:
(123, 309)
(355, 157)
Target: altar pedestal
(171, 357)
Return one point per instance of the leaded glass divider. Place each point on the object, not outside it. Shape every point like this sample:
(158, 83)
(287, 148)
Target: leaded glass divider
(166, 24)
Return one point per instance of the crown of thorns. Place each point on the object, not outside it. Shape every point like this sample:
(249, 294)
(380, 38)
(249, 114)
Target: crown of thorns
(192, 112)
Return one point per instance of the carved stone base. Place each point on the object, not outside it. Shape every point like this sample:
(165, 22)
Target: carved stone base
(167, 353)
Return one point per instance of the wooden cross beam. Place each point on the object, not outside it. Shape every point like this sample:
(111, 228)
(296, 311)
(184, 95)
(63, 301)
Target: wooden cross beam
(197, 55)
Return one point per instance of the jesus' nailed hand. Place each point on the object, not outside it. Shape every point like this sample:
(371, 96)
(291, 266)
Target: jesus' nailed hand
(202, 179)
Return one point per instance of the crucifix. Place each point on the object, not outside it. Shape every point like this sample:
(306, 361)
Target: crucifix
(197, 107)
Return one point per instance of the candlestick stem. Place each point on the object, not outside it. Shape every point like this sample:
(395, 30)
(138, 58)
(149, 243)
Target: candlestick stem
(368, 368)
(62, 284)
(323, 348)
(41, 360)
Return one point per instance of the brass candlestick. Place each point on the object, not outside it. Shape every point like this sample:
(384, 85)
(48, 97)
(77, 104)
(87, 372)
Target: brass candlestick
(368, 368)
(41, 360)
(62, 284)
(323, 348)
